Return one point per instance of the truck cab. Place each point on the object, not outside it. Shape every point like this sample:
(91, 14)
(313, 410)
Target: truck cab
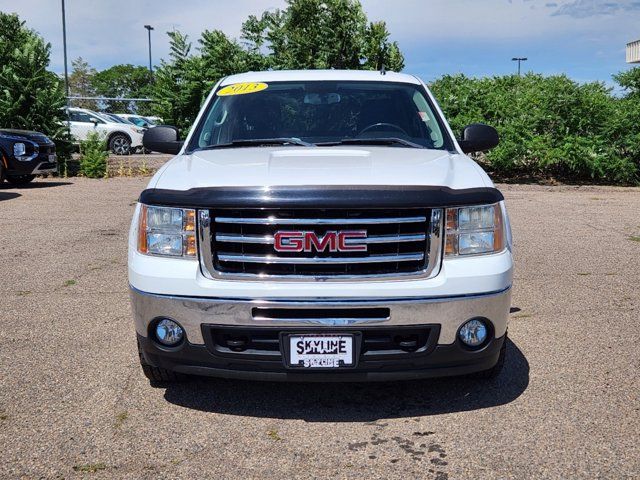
(320, 226)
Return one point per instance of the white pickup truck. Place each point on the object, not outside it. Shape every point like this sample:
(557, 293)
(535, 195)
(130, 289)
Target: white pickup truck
(320, 226)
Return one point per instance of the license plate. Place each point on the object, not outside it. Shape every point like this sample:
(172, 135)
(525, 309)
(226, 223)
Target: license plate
(52, 158)
(321, 351)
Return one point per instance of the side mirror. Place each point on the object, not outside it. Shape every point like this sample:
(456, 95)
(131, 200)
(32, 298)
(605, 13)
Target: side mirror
(94, 121)
(163, 139)
(478, 137)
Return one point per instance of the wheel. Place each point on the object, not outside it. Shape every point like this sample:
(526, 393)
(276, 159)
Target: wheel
(1, 172)
(120, 144)
(494, 371)
(20, 180)
(157, 375)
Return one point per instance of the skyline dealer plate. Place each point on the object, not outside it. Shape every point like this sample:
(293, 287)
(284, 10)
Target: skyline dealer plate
(321, 351)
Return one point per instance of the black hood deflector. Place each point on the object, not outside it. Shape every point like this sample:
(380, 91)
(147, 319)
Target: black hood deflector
(357, 196)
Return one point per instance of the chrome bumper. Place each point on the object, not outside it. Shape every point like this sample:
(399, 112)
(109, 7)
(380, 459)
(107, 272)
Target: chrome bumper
(449, 312)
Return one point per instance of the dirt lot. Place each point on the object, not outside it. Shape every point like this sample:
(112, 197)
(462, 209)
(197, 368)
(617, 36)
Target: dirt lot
(74, 403)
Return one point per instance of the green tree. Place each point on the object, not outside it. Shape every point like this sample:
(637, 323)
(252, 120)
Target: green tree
(30, 96)
(311, 34)
(222, 56)
(179, 87)
(629, 81)
(80, 84)
(124, 81)
(379, 52)
(307, 34)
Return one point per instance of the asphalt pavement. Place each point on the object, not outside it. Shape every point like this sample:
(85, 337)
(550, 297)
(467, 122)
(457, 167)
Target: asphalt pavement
(74, 402)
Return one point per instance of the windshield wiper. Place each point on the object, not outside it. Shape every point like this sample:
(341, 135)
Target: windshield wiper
(372, 141)
(250, 142)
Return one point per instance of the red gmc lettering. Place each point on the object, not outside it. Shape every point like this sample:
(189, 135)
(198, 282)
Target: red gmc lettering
(311, 239)
(298, 241)
(288, 241)
(343, 246)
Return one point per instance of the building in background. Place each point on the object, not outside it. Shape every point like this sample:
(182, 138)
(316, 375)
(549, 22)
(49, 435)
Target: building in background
(633, 52)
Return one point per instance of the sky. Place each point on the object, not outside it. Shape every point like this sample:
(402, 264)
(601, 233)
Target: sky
(583, 38)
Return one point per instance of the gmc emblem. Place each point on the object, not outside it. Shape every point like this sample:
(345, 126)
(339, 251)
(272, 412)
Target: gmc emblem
(303, 241)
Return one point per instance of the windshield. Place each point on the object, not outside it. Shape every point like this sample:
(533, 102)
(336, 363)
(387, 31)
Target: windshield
(117, 119)
(320, 113)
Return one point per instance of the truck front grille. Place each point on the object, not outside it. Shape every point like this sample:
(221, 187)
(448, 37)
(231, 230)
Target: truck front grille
(395, 242)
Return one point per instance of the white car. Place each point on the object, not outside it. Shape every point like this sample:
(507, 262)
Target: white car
(121, 138)
(321, 226)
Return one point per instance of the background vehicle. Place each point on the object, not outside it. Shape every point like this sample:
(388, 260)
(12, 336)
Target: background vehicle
(25, 154)
(321, 225)
(155, 120)
(121, 138)
(116, 118)
(138, 120)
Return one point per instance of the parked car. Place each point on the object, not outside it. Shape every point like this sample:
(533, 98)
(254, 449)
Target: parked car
(116, 118)
(121, 138)
(321, 225)
(25, 154)
(138, 120)
(154, 120)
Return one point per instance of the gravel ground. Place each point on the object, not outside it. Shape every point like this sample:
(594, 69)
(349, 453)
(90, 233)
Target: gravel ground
(74, 403)
(128, 165)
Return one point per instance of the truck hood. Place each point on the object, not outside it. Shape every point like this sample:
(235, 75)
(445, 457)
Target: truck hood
(295, 166)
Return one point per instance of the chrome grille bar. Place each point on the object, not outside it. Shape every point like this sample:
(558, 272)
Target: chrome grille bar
(402, 257)
(319, 221)
(268, 239)
(243, 248)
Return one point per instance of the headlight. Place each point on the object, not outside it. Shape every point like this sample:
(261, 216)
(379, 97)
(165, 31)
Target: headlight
(19, 149)
(167, 231)
(474, 230)
(139, 130)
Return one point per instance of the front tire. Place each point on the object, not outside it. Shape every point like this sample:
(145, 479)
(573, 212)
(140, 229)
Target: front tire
(157, 375)
(20, 180)
(120, 144)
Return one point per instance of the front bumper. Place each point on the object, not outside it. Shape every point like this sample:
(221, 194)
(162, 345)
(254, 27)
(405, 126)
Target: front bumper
(435, 320)
(40, 165)
(440, 361)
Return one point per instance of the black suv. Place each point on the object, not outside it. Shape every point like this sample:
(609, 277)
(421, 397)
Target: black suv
(25, 154)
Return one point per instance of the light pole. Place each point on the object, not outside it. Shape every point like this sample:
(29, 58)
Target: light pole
(519, 60)
(64, 48)
(149, 28)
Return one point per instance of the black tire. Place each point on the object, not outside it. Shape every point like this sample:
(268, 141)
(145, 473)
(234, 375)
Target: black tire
(494, 371)
(1, 171)
(20, 180)
(157, 375)
(120, 144)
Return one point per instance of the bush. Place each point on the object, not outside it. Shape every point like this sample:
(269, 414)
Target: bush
(549, 126)
(93, 156)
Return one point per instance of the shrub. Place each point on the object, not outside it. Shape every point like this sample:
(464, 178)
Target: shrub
(93, 156)
(550, 126)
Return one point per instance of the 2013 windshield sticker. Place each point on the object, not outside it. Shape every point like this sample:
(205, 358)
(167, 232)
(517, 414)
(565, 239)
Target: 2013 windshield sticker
(241, 89)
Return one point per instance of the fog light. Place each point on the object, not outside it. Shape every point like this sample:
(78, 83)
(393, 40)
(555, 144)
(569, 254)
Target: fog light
(473, 333)
(168, 332)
